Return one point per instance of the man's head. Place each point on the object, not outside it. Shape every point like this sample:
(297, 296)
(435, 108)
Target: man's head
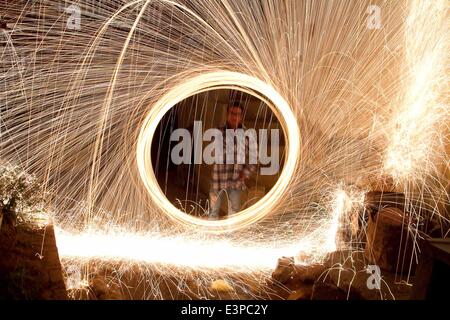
(235, 113)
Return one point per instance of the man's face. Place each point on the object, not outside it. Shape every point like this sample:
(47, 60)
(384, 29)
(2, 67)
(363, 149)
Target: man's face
(234, 117)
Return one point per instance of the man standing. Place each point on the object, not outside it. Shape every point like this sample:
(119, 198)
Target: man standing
(229, 177)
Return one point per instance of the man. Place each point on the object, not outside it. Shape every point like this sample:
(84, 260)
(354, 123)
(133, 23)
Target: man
(228, 179)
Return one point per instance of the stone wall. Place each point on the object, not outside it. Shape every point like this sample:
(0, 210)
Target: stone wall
(30, 268)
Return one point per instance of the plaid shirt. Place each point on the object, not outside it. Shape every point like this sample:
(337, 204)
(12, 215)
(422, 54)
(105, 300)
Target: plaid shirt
(227, 176)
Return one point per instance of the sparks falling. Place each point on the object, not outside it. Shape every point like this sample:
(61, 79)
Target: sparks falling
(416, 125)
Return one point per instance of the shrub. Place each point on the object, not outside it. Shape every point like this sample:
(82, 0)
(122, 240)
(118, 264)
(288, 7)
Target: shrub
(20, 193)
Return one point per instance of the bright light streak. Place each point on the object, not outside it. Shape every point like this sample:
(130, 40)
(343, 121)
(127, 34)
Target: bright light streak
(178, 251)
(201, 83)
(346, 207)
(207, 251)
(413, 138)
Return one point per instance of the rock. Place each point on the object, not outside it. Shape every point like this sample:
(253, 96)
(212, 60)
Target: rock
(98, 286)
(113, 293)
(223, 290)
(221, 286)
(350, 272)
(296, 281)
(284, 270)
(30, 266)
(80, 294)
(55, 276)
(327, 291)
(293, 282)
(105, 291)
(8, 237)
(308, 274)
(374, 201)
(388, 243)
(302, 293)
(383, 183)
(353, 282)
(275, 290)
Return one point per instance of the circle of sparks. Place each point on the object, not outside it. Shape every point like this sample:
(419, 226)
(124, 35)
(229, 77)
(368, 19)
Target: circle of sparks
(202, 83)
